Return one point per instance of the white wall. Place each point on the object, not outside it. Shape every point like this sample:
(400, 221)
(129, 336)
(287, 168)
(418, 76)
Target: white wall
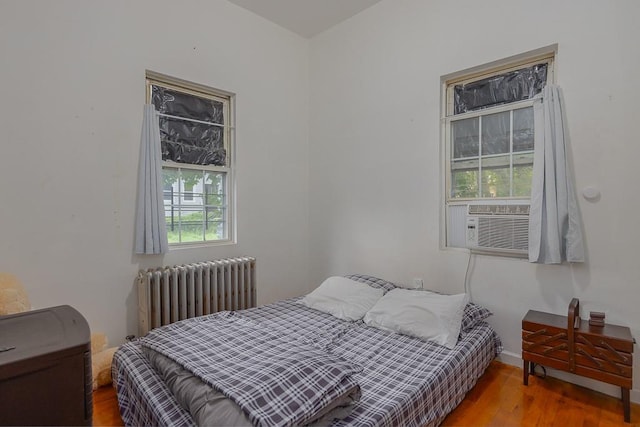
(375, 175)
(342, 177)
(71, 96)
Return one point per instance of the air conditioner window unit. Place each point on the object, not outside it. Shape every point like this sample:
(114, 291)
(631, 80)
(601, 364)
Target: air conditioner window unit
(498, 228)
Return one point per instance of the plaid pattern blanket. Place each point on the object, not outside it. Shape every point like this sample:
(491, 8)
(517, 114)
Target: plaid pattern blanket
(143, 397)
(277, 379)
(405, 381)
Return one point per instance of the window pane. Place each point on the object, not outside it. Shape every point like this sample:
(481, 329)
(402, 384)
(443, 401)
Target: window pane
(214, 185)
(512, 86)
(191, 224)
(495, 177)
(167, 192)
(465, 137)
(215, 224)
(495, 133)
(213, 232)
(188, 192)
(181, 104)
(189, 180)
(523, 129)
(464, 183)
(197, 211)
(216, 220)
(495, 182)
(194, 143)
(173, 227)
(170, 184)
(522, 174)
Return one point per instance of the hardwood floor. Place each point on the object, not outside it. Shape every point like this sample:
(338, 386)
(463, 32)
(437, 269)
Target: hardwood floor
(105, 407)
(499, 399)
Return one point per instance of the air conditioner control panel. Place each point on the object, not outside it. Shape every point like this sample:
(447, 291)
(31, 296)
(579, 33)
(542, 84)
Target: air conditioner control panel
(472, 232)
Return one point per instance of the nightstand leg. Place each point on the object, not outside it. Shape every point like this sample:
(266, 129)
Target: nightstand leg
(525, 370)
(626, 405)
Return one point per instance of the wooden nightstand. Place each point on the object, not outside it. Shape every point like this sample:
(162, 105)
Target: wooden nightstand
(570, 344)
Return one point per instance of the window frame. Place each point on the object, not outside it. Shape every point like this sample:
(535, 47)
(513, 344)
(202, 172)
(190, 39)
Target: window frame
(448, 82)
(228, 169)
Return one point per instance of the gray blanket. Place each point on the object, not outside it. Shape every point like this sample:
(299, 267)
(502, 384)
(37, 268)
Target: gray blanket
(274, 378)
(209, 407)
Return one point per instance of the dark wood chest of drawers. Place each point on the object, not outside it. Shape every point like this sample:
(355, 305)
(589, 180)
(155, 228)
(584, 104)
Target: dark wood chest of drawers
(570, 344)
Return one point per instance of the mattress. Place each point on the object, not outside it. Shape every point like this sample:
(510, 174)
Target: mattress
(404, 380)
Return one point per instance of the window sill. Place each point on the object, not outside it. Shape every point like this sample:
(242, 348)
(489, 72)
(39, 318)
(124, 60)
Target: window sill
(194, 245)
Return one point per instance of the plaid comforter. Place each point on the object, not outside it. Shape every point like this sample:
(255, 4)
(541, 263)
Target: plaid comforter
(405, 381)
(254, 365)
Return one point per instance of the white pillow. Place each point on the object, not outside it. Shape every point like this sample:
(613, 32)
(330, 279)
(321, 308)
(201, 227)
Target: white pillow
(344, 298)
(422, 314)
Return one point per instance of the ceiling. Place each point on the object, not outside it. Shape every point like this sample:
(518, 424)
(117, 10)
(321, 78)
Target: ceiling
(305, 17)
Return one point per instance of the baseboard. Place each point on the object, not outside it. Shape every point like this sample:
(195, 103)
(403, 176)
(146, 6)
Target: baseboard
(516, 360)
(510, 358)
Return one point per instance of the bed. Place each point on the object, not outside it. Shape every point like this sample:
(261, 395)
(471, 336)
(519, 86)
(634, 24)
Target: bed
(402, 380)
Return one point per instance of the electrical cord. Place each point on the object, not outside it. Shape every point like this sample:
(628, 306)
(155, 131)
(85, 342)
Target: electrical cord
(533, 372)
(467, 288)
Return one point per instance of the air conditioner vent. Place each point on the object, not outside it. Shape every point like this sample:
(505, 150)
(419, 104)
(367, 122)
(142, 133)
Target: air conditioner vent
(499, 210)
(498, 228)
(503, 233)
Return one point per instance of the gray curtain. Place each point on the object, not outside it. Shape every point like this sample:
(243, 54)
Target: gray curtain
(151, 231)
(555, 230)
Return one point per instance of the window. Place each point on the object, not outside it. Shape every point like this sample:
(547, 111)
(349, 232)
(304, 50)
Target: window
(488, 136)
(492, 155)
(196, 132)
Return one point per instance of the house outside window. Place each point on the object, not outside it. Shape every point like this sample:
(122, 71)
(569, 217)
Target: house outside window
(488, 141)
(196, 133)
(167, 192)
(188, 191)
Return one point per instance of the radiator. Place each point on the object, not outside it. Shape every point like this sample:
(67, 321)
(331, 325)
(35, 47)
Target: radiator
(169, 294)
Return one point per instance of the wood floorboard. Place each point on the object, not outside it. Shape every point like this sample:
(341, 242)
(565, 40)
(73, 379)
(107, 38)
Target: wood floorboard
(498, 399)
(105, 407)
(544, 402)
